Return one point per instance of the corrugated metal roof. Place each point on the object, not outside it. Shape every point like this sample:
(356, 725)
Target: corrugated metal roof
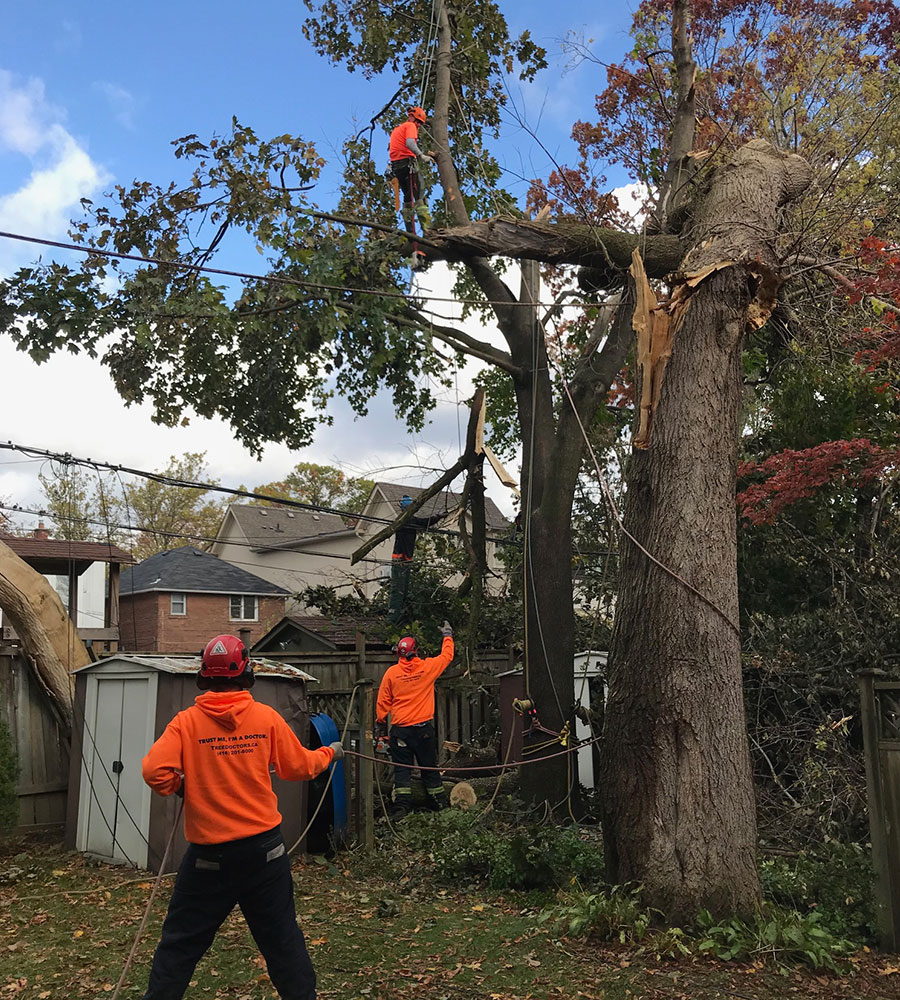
(189, 569)
(191, 664)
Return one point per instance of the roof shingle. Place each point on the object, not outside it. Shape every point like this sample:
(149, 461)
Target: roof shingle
(188, 569)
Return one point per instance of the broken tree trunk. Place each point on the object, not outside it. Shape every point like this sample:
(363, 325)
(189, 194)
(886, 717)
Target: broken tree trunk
(46, 632)
(570, 241)
(679, 812)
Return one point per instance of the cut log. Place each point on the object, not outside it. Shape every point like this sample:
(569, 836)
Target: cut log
(566, 242)
(46, 632)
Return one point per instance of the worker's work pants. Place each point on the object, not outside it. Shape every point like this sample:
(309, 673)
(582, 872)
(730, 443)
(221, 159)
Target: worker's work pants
(254, 874)
(400, 569)
(407, 174)
(416, 744)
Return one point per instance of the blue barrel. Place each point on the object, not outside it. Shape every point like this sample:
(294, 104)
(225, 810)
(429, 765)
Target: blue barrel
(335, 806)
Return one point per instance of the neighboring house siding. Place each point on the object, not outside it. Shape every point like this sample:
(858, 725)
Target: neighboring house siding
(207, 615)
(139, 621)
(294, 570)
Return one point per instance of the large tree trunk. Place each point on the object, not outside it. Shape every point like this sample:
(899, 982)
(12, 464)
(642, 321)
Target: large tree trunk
(678, 799)
(46, 632)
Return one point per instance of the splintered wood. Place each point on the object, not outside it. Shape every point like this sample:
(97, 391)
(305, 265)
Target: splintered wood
(655, 323)
(652, 325)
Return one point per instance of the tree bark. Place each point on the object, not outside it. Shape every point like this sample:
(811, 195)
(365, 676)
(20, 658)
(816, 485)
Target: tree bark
(566, 242)
(48, 636)
(678, 798)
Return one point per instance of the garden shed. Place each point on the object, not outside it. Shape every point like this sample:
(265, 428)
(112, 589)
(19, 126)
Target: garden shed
(122, 704)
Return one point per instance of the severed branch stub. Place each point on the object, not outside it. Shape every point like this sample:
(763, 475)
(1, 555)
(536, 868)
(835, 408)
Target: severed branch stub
(461, 464)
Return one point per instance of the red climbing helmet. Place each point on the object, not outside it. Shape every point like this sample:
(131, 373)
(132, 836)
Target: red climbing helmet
(225, 658)
(406, 647)
(419, 115)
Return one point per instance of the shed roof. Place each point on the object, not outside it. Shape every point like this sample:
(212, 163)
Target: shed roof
(191, 664)
(445, 502)
(283, 527)
(188, 569)
(339, 632)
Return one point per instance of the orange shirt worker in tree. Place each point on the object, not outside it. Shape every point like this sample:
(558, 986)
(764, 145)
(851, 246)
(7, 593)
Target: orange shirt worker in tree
(217, 754)
(405, 154)
(407, 695)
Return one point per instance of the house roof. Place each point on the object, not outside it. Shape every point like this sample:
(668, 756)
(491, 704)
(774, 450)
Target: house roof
(191, 664)
(283, 527)
(339, 632)
(188, 569)
(447, 501)
(63, 549)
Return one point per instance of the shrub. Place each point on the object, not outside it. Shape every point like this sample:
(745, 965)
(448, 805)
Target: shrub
(837, 884)
(613, 914)
(471, 846)
(773, 934)
(9, 774)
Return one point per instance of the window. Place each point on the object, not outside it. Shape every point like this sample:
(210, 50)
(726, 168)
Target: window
(244, 608)
(177, 604)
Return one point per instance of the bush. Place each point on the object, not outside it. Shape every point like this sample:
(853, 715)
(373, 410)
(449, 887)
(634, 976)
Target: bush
(838, 885)
(9, 774)
(614, 914)
(774, 934)
(470, 846)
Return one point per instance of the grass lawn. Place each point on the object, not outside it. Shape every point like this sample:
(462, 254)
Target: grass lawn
(67, 923)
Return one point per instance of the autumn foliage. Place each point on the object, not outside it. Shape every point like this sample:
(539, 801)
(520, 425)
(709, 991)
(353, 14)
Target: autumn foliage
(782, 480)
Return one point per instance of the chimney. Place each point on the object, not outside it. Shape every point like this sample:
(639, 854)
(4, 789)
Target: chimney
(41, 532)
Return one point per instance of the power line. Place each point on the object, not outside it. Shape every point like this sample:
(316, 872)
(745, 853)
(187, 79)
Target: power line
(89, 463)
(278, 279)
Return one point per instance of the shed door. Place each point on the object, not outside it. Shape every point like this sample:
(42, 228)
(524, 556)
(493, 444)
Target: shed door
(116, 826)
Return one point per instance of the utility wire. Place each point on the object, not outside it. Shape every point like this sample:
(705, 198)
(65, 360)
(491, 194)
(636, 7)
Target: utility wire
(278, 279)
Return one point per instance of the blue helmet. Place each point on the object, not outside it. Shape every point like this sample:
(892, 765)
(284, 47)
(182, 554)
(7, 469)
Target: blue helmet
(405, 501)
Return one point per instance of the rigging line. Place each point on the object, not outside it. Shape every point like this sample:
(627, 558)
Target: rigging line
(530, 287)
(429, 50)
(574, 748)
(604, 485)
(282, 279)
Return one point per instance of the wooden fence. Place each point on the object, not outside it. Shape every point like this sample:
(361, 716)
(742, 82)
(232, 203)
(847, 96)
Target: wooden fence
(466, 711)
(43, 751)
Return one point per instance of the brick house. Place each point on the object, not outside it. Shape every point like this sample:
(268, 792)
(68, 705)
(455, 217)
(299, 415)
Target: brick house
(175, 601)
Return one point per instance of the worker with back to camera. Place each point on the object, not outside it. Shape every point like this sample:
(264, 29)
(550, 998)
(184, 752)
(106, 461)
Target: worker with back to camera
(407, 695)
(218, 754)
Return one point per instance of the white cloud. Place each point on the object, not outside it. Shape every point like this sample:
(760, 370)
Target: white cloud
(60, 171)
(121, 103)
(24, 115)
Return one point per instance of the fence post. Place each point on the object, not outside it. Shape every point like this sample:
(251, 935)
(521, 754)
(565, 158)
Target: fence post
(367, 769)
(881, 848)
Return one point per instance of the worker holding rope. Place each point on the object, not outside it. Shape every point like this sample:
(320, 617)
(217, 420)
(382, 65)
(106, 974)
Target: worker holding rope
(407, 695)
(218, 754)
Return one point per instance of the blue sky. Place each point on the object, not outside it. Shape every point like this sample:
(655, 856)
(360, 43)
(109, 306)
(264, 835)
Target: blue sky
(92, 94)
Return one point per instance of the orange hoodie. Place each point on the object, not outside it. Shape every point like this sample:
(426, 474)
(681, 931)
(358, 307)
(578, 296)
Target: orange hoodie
(407, 688)
(223, 746)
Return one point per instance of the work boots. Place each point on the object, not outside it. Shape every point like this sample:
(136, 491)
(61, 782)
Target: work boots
(424, 215)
